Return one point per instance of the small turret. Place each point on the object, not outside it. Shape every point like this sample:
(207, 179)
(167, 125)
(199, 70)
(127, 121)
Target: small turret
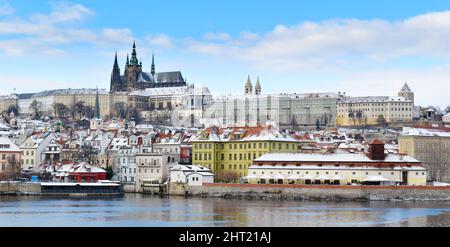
(248, 86)
(258, 87)
(406, 92)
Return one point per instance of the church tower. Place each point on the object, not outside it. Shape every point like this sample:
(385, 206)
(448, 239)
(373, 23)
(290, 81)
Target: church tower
(116, 84)
(258, 87)
(248, 86)
(406, 93)
(132, 71)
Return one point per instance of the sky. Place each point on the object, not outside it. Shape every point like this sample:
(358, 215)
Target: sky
(358, 47)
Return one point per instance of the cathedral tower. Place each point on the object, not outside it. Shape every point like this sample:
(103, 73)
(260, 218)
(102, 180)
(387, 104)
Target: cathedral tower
(132, 71)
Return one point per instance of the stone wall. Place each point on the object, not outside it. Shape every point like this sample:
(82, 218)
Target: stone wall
(20, 188)
(298, 192)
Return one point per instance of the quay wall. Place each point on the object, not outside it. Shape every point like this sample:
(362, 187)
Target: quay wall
(20, 188)
(314, 192)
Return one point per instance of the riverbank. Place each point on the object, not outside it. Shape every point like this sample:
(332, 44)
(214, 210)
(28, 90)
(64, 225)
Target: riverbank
(314, 192)
(60, 189)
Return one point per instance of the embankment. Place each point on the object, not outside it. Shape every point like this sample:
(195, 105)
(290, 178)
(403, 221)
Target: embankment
(12, 188)
(314, 192)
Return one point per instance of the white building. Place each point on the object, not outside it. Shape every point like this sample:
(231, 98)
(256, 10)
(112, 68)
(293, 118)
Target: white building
(33, 148)
(284, 111)
(192, 175)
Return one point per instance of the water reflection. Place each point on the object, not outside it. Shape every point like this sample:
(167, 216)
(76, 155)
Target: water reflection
(141, 210)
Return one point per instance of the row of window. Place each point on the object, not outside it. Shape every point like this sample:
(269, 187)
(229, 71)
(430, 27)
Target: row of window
(27, 161)
(337, 173)
(241, 146)
(208, 156)
(133, 170)
(28, 152)
(12, 157)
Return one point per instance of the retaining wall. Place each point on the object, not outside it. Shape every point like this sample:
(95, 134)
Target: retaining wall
(313, 192)
(20, 188)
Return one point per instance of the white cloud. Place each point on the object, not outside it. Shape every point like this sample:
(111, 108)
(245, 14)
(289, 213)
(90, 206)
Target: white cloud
(42, 34)
(119, 35)
(160, 40)
(64, 12)
(331, 42)
(5, 8)
(217, 36)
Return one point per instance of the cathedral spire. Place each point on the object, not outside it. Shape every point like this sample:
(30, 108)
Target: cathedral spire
(153, 64)
(116, 64)
(128, 60)
(97, 106)
(134, 60)
(115, 76)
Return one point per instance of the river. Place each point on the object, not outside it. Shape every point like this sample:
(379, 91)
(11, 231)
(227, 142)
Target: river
(135, 210)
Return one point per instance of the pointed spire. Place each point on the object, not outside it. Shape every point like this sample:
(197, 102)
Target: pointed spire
(116, 64)
(134, 60)
(153, 64)
(258, 87)
(406, 88)
(248, 86)
(128, 60)
(97, 106)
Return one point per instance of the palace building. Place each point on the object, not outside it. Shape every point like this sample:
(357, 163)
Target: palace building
(233, 149)
(375, 167)
(136, 79)
(373, 110)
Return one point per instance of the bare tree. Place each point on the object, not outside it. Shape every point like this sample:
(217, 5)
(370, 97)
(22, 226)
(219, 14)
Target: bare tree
(61, 110)
(447, 109)
(227, 177)
(12, 108)
(88, 111)
(78, 108)
(120, 109)
(35, 107)
(381, 121)
(359, 116)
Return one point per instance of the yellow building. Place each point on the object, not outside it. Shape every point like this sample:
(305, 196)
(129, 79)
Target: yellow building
(229, 152)
(374, 110)
(373, 168)
(431, 146)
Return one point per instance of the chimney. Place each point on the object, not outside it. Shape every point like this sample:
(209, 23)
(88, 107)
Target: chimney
(376, 150)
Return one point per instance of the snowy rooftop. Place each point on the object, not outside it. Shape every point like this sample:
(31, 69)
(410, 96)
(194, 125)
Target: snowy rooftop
(6, 145)
(408, 131)
(244, 134)
(332, 157)
(370, 99)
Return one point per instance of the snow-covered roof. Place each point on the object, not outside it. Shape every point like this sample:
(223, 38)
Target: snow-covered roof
(6, 145)
(333, 157)
(190, 169)
(374, 99)
(408, 131)
(243, 134)
(79, 168)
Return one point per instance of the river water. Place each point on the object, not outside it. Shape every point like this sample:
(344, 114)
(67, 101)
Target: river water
(141, 210)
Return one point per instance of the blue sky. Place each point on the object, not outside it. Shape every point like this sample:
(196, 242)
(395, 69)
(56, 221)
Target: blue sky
(360, 47)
